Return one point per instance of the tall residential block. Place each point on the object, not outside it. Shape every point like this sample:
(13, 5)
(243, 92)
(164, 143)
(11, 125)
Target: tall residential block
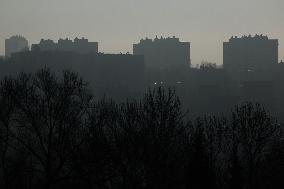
(250, 53)
(164, 52)
(15, 44)
(82, 46)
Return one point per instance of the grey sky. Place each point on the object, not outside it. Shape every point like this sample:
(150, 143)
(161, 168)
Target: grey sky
(117, 24)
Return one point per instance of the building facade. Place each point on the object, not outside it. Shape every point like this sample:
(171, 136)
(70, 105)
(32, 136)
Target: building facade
(118, 76)
(250, 53)
(82, 46)
(15, 44)
(164, 52)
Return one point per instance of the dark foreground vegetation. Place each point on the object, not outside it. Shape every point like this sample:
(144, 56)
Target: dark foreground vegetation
(55, 134)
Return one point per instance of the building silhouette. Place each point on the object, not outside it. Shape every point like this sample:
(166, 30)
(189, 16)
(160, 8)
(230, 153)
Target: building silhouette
(164, 52)
(116, 75)
(250, 71)
(82, 46)
(15, 44)
(249, 53)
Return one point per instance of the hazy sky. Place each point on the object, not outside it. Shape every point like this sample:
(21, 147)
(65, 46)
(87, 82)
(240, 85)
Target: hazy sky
(117, 24)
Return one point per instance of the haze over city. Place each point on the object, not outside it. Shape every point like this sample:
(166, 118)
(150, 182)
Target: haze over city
(141, 94)
(117, 25)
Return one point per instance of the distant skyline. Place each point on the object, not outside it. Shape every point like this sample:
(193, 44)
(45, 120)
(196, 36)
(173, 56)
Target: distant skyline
(116, 25)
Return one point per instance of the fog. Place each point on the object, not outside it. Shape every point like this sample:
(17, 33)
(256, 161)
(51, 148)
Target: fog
(116, 25)
(140, 94)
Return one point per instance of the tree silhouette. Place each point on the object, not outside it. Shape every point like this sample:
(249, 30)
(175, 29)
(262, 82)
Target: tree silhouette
(6, 112)
(256, 130)
(48, 119)
(54, 134)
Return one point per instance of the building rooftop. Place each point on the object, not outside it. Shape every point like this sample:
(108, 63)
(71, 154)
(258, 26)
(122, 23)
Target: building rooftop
(17, 37)
(249, 37)
(76, 40)
(168, 39)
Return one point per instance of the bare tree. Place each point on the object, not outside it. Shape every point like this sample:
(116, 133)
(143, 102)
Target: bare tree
(255, 131)
(154, 137)
(49, 119)
(6, 112)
